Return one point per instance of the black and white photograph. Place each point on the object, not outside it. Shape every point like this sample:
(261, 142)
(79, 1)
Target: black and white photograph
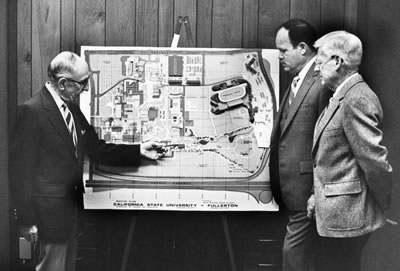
(194, 135)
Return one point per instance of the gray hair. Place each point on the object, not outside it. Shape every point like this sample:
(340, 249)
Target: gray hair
(62, 65)
(345, 45)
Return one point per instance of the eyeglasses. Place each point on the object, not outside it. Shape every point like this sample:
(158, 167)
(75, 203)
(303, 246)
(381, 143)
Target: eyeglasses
(320, 63)
(83, 84)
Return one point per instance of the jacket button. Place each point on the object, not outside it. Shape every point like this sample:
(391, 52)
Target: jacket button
(314, 165)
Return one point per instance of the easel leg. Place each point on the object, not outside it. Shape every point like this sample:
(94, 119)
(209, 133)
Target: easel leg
(128, 244)
(229, 243)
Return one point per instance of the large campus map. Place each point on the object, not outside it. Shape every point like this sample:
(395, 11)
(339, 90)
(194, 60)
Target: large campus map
(212, 109)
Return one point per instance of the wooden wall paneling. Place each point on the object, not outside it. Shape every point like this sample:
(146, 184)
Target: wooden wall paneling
(271, 14)
(120, 22)
(227, 31)
(204, 23)
(250, 24)
(4, 197)
(360, 26)
(90, 23)
(24, 50)
(166, 20)
(307, 10)
(45, 39)
(351, 15)
(332, 15)
(68, 21)
(186, 8)
(13, 61)
(147, 23)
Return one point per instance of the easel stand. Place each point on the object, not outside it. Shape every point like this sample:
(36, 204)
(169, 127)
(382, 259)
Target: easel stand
(224, 220)
(177, 32)
(228, 241)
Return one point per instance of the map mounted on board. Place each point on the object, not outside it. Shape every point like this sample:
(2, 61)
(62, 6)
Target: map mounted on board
(212, 109)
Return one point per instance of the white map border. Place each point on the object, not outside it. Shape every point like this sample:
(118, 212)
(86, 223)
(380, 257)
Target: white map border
(176, 199)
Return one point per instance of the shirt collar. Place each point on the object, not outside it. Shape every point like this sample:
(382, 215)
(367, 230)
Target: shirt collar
(303, 73)
(305, 69)
(339, 88)
(55, 95)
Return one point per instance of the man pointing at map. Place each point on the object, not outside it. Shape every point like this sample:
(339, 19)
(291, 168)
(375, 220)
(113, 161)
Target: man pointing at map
(47, 149)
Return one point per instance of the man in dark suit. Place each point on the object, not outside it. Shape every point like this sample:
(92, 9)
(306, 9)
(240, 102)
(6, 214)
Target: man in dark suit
(291, 141)
(47, 148)
(352, 176)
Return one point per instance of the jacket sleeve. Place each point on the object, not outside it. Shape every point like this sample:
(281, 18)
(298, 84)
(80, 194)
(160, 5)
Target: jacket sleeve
(23, 151)
(106, 153)
(362, 126)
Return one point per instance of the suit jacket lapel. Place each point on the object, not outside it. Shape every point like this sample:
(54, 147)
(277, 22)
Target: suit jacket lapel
(308, 81)
(56, 119)
(331, 109)
(276, 130)
(324, 118)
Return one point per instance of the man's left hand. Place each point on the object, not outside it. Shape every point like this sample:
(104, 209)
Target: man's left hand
(311, 207)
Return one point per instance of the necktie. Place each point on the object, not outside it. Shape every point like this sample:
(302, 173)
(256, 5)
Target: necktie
(292, 88)
(69, 120)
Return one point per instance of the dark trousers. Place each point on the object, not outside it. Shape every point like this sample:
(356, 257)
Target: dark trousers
(300, 243)
(59, 256)
(341, 254)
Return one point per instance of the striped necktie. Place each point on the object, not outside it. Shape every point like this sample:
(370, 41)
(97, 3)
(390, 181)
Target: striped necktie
(69, 121)
(292, 88)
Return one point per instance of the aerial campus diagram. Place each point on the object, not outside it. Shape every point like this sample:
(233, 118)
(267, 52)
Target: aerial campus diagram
(212, 109)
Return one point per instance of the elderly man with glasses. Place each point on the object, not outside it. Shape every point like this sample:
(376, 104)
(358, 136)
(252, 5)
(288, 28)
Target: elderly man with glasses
(352, 176)
(47, 149)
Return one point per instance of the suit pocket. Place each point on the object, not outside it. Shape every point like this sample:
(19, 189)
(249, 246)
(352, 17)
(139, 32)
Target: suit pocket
(342, 188)
(50, 190)
(343, 205)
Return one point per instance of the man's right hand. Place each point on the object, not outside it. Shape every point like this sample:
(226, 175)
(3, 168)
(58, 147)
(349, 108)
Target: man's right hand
(152, 150)
(30, 233)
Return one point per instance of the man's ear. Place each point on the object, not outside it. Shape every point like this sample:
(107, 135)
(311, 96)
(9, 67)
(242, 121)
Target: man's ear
(338, 61)
(303, 48)
(61, 83)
